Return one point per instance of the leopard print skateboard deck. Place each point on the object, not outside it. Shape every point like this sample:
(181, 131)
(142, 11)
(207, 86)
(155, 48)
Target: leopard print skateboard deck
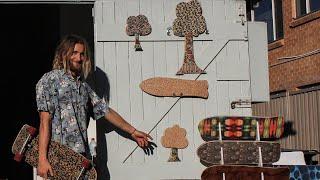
(241, 128)
(238, 152)
(66, 163)
(245, 173)
(173, 87)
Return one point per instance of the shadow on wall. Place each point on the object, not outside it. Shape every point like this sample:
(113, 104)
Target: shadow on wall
(99, 82)
(288, 129)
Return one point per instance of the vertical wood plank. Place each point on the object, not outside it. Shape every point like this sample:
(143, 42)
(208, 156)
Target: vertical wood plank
(219, 19)
(207, 12)
(108, 12)
(109, 56)
(172, 59)
(157, 11)
(245, 92)
(223, 98)
(149, 102)
(136, 104)
(170, 11)
(121, 12)
(98, 13)
(235, 95)
(123, 88)
(231, 11)
(146, 8)
(160, 70)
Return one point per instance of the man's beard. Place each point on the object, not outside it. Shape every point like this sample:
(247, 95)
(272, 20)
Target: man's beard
(76, 69)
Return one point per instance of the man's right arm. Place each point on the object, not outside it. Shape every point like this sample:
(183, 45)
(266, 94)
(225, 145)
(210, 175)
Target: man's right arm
(44, 138)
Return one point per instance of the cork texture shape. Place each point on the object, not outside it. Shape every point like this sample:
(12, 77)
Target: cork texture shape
(173, 87)
(174, 137)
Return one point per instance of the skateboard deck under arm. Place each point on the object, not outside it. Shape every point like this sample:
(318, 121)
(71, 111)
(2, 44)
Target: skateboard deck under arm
(66, 163)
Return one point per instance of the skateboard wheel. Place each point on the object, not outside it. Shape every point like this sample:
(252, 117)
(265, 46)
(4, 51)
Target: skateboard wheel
(86, 163)
(32, 131)
(18, 157)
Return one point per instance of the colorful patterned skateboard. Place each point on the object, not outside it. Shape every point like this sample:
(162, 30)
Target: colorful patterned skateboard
(241, 128)
(66, 163)
(244, 173)
(173, 87)
(310, 172)
(238, 152)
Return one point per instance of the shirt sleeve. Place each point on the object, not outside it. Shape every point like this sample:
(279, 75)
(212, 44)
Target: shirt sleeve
(100, 105)
(44, 96)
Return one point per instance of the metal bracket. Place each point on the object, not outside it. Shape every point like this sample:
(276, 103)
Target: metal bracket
(241, 102)
(168, 31)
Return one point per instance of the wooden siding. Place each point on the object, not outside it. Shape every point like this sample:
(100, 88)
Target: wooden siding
(227, 75)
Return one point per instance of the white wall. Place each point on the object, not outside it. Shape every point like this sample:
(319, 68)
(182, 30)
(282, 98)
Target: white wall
(228, 76)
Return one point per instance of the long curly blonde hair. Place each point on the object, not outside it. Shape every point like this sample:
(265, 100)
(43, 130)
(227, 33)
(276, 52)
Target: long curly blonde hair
(64, 51)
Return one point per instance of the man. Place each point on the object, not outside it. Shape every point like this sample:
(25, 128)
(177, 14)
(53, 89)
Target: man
(64, 99)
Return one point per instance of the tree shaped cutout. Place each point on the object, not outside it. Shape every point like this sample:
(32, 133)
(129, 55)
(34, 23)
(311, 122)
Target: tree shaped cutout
(174, 138)
(138, 26)
(189, 23)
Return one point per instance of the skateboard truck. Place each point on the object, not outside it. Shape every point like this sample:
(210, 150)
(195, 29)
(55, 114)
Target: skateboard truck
(31, 133)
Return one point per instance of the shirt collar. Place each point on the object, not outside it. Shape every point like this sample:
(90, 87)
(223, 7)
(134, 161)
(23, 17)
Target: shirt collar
(69, 76)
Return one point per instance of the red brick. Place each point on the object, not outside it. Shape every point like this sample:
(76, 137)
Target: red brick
(297, 40)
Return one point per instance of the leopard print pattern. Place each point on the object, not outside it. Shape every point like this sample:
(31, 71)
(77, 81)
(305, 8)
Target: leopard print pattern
(65, 162)
(238, 152)
(20, 139)
(189, 65)
(189, 19)
(138, 25)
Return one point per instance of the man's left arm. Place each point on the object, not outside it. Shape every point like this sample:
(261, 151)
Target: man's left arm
(101, 108)
(140, 137)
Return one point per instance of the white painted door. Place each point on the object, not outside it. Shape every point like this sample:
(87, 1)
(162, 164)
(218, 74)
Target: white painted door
(224, 52)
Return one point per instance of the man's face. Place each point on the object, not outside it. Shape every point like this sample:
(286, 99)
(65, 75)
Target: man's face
(76, 59)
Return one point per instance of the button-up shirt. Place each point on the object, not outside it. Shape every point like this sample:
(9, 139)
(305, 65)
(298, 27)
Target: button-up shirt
(67, 99)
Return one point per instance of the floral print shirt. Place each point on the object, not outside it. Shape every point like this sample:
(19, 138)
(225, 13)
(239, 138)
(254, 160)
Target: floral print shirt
(68, 102)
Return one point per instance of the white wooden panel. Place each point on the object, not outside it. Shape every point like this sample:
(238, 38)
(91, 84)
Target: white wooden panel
(98, 14)
(234, 95)
(258, 54)
(108, 12)
(170, 11)
(123, 87)
(136, 104)
(173, 58)
(157, 12)
(99, 61)
(219, 19)
(231, 11)
(233, 66)
(246, 93)
(116, 32)
(207, 12)
(145, 8)
(149, 102)
(110, 68)
(121, 14)
(223, 98)
(162, 57)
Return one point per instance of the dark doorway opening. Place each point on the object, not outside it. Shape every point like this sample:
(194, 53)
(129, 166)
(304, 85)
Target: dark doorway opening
(29, 34)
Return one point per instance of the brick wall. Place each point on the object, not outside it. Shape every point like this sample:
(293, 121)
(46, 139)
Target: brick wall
(301, 35)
